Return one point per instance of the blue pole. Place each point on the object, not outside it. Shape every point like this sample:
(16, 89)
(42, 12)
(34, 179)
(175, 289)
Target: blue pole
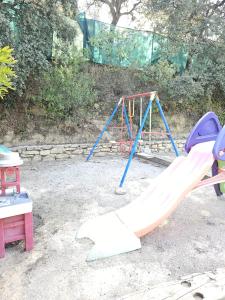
(127, 122)
(167, 126)
(134, 147)
(103, 130)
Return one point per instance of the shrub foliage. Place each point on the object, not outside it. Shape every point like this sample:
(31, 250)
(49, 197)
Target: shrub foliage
(6, 71)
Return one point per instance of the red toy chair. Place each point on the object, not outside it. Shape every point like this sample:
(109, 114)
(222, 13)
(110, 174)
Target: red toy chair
(10, 177)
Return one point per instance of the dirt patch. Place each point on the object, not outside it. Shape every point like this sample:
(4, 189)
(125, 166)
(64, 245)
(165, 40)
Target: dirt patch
(67, 193)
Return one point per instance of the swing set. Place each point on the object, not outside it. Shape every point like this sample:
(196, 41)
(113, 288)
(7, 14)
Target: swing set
(132, 128)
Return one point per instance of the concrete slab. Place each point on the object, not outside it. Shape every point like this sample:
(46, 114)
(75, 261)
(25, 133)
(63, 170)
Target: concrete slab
(165, 161)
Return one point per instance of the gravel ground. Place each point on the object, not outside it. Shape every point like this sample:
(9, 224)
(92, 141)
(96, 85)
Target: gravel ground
(67, 193)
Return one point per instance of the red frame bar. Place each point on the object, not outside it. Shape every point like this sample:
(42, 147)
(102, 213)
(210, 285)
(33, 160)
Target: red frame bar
(138, 95)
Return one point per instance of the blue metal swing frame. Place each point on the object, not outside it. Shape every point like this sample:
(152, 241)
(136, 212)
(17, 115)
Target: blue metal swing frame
(153, 97)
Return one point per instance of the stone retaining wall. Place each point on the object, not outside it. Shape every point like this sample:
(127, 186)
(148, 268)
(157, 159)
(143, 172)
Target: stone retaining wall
(65, 151)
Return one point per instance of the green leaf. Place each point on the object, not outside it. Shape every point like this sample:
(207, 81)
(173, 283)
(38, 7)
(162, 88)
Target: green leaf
(6, 72)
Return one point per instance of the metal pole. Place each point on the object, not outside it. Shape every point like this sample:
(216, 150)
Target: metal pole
(127, 122)
(103, 130)
(122, 119)
(140, 112)
(134, 147)
(150, 130)
(167, 126)
(140, 119)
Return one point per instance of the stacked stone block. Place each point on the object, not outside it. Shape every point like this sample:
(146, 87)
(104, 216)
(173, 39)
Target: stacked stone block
(66, 151)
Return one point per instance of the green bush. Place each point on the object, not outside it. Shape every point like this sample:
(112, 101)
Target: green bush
(28, 27)
(67, 90)
(219, 108)
(6, 71)
(160, 74)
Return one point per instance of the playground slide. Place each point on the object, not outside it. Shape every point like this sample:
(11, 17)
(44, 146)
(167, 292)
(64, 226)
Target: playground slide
(119, 231)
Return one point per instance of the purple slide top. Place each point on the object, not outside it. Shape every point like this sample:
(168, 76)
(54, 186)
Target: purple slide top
(219, 147)
(205, 130)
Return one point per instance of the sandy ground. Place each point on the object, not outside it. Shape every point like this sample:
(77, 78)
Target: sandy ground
(67, 193)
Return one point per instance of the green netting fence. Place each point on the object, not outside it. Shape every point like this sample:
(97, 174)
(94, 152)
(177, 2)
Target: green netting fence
(118, 46)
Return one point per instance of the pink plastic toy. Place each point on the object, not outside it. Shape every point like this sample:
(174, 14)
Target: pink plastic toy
(19, 227)
(15, 206)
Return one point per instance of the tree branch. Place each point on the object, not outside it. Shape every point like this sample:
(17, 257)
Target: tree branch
(133, 8)
(218, 4)
(115, 7)
(106, 2)
(214, 7)
(90, 4)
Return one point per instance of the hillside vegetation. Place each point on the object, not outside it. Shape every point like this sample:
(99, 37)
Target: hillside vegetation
(56, 86)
